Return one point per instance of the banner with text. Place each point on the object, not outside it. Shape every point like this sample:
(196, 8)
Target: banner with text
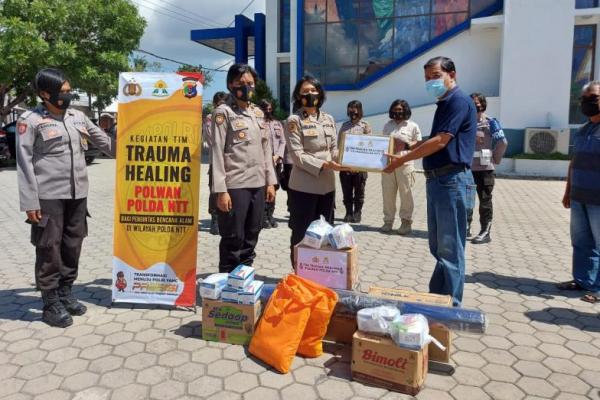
(157, 188)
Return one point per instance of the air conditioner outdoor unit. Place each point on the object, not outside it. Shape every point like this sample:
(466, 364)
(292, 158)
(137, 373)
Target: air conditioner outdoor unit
(545, 140)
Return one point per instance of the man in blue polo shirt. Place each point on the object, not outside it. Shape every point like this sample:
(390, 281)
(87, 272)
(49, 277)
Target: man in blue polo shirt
(447, 156)
(582, 196)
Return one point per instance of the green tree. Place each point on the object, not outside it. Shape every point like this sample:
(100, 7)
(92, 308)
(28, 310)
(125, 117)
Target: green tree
(264, 92)
(141, 64)
(90, 40)
(208, 76)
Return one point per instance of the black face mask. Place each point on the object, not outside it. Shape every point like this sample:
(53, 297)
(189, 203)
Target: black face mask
(589, 105)
(268, 114)
(353, 115)
(480, 109)
(397, 115)
(309, 100)
(65, 97)
(243, 92)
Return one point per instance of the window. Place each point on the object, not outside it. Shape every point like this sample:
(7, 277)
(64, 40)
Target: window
(347, 41)
(284, 86)
(582, 71)
(284, 26)
(586, 3)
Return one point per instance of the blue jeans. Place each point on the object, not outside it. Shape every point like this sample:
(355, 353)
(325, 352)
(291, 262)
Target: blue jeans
(447, 225)
(585, 238)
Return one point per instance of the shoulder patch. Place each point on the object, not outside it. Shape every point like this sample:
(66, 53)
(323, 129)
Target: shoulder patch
(258, 112)
(21, 127)
(293, 126)
(219, 119)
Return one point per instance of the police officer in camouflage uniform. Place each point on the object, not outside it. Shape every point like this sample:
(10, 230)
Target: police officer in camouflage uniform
(53, 189)
(353, 182)
(311, 140)
(243, 174)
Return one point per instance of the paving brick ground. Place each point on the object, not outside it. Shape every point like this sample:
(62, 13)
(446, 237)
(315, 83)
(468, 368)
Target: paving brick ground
(541, 343)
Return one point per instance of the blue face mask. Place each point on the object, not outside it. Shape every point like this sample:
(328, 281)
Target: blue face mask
(436, 88)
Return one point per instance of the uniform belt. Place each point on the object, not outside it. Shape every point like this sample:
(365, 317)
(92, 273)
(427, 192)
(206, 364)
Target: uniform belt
(443, 171)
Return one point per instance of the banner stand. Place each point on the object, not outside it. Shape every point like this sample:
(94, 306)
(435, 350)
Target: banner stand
(157, 189)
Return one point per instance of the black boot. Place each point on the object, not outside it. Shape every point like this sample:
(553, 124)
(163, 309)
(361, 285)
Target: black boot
(357, 216)
(469, 235)
(71, 304)
(484, 235)
(214, 224)
(349, 214)
(54, 313)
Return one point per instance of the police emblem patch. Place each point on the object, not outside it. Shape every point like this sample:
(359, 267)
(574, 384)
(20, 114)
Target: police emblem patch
(21, 128)
(242, 135)
(293, 126)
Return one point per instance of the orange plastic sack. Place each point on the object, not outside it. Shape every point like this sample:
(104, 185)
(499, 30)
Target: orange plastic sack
(279, 331)
(311, 344)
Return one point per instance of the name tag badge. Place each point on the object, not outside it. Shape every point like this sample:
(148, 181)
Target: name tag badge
(238, 124)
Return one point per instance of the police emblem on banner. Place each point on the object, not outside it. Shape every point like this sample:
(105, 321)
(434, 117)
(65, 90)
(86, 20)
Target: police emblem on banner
(160, 89)
(132, 88)
(189, 87)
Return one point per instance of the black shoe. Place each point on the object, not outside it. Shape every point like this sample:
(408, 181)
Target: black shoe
(484, 235)
(214, 225)
(357, 217)
(266, 224)
(273, 223)
(348, 217)
(69, 301)
(54, 313)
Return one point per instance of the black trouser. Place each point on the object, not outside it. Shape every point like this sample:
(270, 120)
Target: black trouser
(353, 188)
(304, 209)
(212, 198)
(240, 227)
(57, 240)
(485, 185)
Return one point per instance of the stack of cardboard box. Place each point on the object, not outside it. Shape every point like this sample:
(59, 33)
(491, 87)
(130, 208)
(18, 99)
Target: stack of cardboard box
(232, 317)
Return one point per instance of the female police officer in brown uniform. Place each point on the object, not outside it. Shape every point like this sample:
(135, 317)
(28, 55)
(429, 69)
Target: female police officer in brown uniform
(243, 174)
(311, 139)
(53, 188)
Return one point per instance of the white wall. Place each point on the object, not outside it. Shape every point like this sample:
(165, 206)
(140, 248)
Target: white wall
(477, 58)
(537, 47)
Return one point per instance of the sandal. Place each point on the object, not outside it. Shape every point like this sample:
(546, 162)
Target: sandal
(570, 285)
(591, 298)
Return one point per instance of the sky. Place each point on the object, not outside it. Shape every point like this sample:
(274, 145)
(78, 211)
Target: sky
(169, 23)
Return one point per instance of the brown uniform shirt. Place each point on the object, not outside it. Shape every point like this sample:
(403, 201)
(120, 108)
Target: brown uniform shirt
(51, 155)
(241, 150)
(311, 141)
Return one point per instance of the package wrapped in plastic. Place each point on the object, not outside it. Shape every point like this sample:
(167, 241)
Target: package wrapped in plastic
(342, 237)
(212, 286)
(455, 318)
(316, 235)
(410, 331)
(377, 320)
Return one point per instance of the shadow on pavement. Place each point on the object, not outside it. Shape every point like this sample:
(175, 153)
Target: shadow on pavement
(521, 285)
(585, 321)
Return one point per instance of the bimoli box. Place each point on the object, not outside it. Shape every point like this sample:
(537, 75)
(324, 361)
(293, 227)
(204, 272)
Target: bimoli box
(438, 331)
(336, 269)
(378, 361)
(229, 322)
